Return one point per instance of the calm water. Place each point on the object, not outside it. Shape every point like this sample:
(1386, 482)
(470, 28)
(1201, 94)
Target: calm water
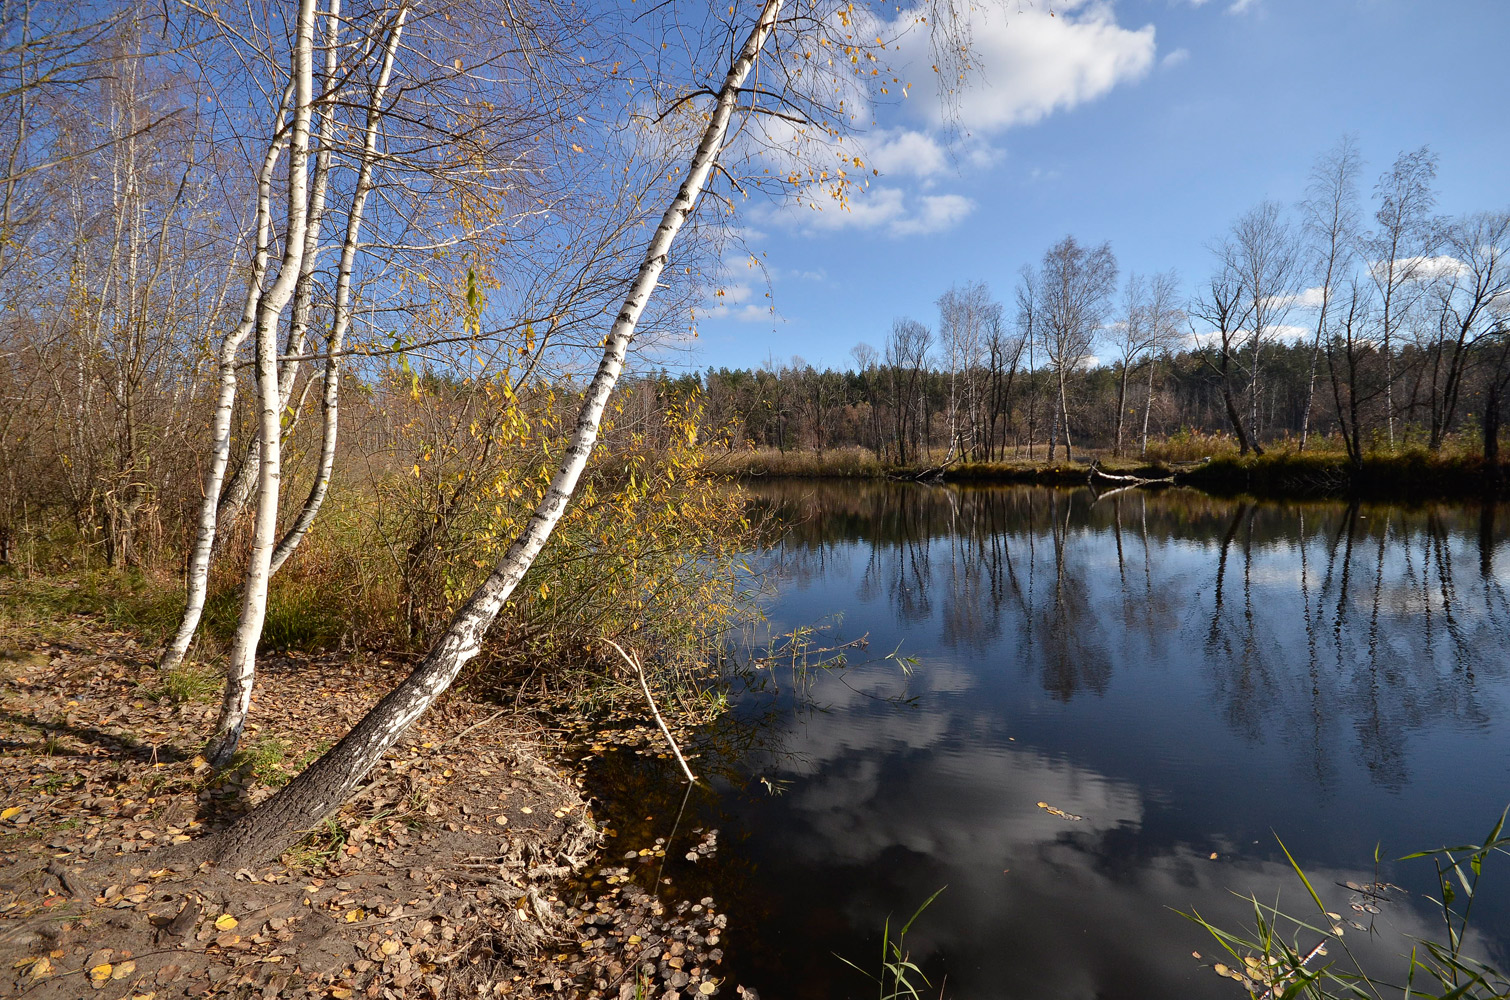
(1189, 676)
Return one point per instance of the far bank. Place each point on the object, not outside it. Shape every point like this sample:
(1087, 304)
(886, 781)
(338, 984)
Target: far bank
(1408, 475)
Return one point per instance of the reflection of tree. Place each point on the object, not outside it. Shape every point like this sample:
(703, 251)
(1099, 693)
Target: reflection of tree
(1337, 630)
(1069, 660)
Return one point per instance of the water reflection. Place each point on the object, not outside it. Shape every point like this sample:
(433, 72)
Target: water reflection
(1185, 674)
(1071, 588)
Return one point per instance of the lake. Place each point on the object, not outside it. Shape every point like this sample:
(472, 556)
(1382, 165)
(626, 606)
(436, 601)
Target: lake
(1083, 715)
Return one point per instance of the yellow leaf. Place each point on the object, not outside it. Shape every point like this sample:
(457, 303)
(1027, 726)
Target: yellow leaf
(100, 973)
(41, 967)
(8, 813)
(352, 916)
(225, 922)
(389, 946)
(123, 969)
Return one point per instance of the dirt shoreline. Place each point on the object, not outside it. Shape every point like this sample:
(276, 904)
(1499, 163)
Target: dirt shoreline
(471, 866)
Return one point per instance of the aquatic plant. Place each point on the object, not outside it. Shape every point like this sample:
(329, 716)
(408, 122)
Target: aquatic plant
(1275, 965)
(899, 976)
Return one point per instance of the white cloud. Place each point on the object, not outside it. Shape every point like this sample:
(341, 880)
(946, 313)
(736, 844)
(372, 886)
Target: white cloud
(938, 212)
(905, 152)
(888, 209)
(1310, 298)
(1420, 268)
(816, 274)
(1175, 58)
(1034, 62)
(1242, 6)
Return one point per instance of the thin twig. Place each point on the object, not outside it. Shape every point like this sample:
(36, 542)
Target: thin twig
(645, 686)
(474, 726)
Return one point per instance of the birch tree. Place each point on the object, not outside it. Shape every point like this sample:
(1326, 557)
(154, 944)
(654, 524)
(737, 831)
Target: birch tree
(1331, 226)
(240, 668)
(1133, 342)
(967, 315)
(330, 780)
(1264, 258)
(1075, 287)
(1399, 250)
(1164, 318)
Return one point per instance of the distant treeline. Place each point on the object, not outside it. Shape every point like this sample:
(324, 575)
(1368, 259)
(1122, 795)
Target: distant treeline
(907, 414)
(1378, 326)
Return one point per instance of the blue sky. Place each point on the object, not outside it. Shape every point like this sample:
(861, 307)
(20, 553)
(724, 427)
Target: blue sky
(1149, 123)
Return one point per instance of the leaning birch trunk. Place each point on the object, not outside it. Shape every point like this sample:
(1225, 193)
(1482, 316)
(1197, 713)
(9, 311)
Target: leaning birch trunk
(329, 781)
(198, 576)
(241, 666)
(330, 402)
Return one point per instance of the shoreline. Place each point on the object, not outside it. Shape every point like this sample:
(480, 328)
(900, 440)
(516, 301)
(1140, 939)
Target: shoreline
(1410, 476)
(452, 871)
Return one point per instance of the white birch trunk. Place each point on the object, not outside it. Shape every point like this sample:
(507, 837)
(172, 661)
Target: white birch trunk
(238, 491)
(341, 318)
(329, 781)
(241, 666)
(198, 576)
(1147, 406)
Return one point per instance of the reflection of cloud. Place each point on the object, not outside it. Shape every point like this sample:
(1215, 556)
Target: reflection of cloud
(1084, 904)
(1337, 674)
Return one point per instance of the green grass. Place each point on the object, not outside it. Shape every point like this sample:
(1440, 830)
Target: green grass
(188, 682)
(272, 761)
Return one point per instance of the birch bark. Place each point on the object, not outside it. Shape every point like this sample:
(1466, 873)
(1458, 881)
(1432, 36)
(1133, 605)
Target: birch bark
(329, 781)
(240, 669)
(198, 575)
(341, 317)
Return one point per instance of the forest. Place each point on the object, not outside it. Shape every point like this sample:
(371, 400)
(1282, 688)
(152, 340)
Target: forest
(1347, 325)
(344, 508)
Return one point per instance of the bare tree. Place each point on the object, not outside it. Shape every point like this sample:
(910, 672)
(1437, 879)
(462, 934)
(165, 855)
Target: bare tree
(1075, 286)
(1265, 259)
(1164, 318)
(1133, 342)
(1399, 251)
(1003, 359)
(907, 363)
(1472, 293)
(1225, 307)
(1027, 329)
(1331, 227)
(1351, 354)
(967, 314)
